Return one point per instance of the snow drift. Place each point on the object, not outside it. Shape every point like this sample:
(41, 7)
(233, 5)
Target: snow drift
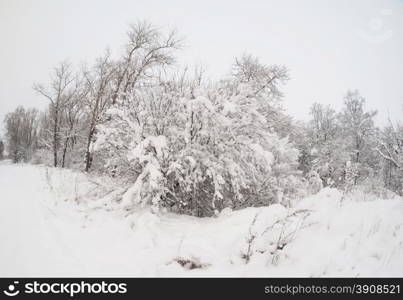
(61, 223)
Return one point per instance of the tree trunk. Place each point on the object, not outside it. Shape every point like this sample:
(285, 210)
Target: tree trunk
(66, 144)
(88, 156)
(55, 137)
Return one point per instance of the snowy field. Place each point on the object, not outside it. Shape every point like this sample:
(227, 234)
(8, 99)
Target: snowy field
(52, 225)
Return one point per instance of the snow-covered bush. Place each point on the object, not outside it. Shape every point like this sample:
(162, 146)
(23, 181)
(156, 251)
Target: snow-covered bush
(198, 150)
(314, 182)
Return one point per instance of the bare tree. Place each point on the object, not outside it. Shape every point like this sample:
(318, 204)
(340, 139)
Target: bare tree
(323, 125)
(265, 78)
(358, 124)
(147, 48)
(72, 115)
(21, 133)
(60, 92)
(264, 82)
(98, 98)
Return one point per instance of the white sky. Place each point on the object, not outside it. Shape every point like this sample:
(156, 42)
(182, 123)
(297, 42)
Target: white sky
(329, 46)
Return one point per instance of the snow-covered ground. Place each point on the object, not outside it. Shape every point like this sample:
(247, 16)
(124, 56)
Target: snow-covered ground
(50, 225)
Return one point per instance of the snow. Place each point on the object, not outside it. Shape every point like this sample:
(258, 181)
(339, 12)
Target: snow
(260, 152)
(54, 223)
(139, 152)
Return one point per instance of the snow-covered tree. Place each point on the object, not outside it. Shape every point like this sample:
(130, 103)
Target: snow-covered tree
(98, 81)
(21, 133)
(359, 131)
(110, 83)
(390, 149)
(147, 50)
(341, 142)
(326, 154)
(323, 126)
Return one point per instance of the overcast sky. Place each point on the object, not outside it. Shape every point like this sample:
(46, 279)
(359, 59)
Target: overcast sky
(329, 46)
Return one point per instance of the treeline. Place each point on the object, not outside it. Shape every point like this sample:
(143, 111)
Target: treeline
(193, 145)
(346, 148)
